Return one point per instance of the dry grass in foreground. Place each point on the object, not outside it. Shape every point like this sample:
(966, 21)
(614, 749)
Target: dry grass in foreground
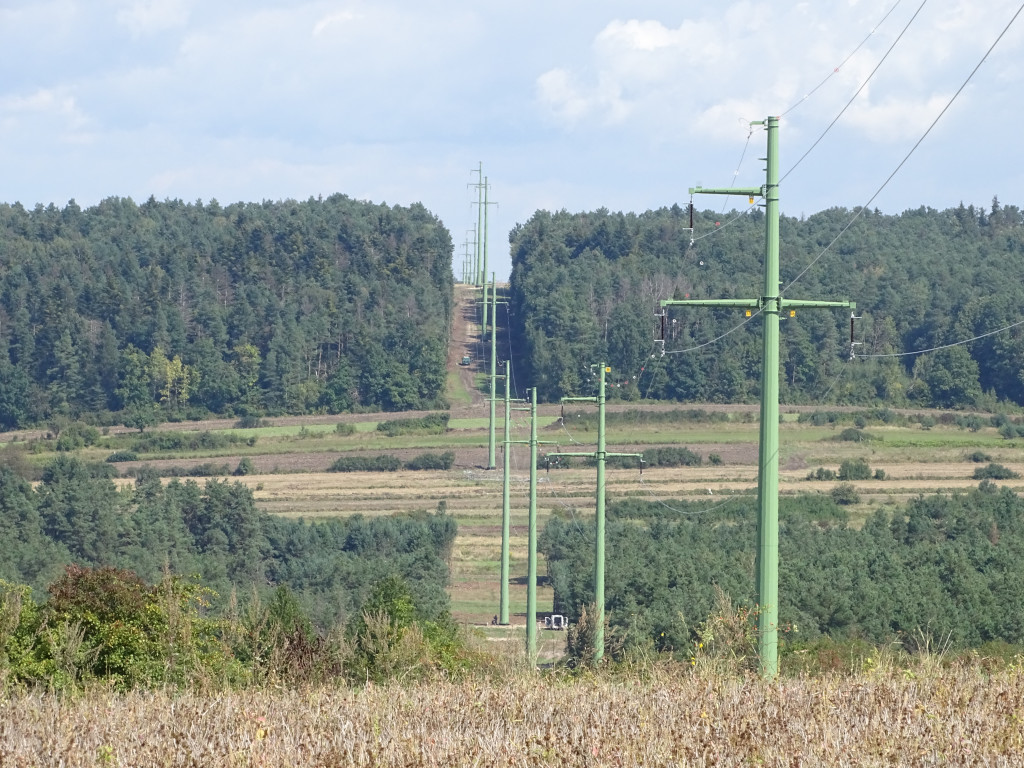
(956, 717)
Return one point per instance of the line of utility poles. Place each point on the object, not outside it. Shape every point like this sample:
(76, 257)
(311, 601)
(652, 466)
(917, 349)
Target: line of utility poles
(770, 304)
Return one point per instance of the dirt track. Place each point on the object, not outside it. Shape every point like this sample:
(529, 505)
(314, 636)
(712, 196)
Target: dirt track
(465, 339)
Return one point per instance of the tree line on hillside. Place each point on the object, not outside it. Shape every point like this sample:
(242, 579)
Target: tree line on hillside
(170, 309)
(943, 567)
(585, 287)
(76, 515)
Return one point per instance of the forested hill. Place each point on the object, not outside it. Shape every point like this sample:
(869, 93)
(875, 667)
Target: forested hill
(193, 308)
(584, 288)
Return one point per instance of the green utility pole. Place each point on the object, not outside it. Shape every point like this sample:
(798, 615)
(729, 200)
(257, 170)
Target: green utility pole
(483, 266)
(531, 539)
(477, 273)
(531, 547)
(494, 368)
(483, 325)
(770, 305)
(506, 506)
(599, 516)
(466, 260)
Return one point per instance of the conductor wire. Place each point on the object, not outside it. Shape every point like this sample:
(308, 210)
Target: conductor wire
(913, 149)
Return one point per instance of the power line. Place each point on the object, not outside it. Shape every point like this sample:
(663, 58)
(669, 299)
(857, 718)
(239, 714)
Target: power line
(864, 207)
(716, 339)
(856, 94)
(842, 64)
(948, 346)
(860, 211)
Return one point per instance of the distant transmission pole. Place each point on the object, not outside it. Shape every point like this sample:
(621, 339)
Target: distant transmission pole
(477, 272)
(770, 304)
(483, 189)
(466, 259)
(494, 370)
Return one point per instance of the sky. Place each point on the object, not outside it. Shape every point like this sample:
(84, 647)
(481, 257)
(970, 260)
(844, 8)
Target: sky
(568, 104)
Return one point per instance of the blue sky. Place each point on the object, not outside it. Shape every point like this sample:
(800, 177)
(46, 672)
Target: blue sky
(572, 104)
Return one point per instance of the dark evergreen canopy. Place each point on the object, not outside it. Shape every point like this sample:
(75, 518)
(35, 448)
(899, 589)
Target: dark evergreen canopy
(275, 306)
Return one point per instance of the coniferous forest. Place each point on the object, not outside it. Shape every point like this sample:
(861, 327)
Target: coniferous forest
(585, 287)
(172, 309)
(946, 566)
(215, 533)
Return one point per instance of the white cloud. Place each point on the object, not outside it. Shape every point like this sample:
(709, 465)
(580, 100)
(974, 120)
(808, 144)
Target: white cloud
(340, 17)
(896, 119)
(143, 17)
(49, 110)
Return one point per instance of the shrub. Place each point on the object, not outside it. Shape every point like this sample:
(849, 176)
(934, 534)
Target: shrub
(670, 456)
(431, 424)
(119, 456)
(821, 474)
(383, 463)
(853, 435)
(879, 474)
(854, 469)
(344, 428)
(155, 442)
(206, 469)
(714, 459)
(131, 633)
(245, 467)
(994, 472)
(979, 457)
(973, 422)
(1009, 431)
(77, 435)
(845, 493)
(251, 421)
(431, 461)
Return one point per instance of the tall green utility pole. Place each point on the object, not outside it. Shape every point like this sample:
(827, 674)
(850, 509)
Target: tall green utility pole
(506, 505)
(531, 537)
(599, 515)
(770, 305)
(494, 369)
(531, 541)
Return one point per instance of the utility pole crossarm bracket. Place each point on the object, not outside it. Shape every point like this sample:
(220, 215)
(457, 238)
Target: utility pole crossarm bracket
(796, 303)
(748, 191)
(754, 303)
(750, 303)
